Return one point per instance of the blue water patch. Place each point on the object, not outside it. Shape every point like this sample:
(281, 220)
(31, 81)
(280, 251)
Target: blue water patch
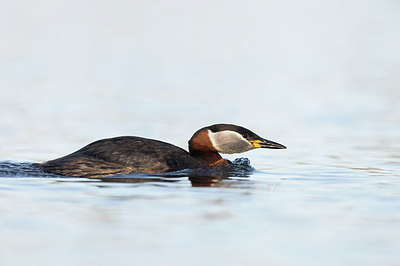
(21, 169)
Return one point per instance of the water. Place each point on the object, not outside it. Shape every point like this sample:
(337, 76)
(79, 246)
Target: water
(342, 208)
(321, 78)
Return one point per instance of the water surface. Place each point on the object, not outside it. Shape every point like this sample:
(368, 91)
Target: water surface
(324, 210)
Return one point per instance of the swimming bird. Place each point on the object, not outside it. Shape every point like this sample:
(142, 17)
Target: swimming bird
(129, 154)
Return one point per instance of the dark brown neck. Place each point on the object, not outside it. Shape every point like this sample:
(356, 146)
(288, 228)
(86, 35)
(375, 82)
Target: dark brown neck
(205, 158)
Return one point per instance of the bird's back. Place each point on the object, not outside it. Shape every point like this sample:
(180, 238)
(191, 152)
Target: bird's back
(121, 155)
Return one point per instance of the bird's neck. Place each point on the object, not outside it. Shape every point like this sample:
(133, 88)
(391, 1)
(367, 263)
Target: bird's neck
(206, 158)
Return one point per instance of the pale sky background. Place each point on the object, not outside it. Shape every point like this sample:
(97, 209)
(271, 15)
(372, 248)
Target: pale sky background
(75, 71)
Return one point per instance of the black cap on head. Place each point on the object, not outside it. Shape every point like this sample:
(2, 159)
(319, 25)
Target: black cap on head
(247, 134)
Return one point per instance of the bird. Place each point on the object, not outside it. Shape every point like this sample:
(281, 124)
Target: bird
(131, 154)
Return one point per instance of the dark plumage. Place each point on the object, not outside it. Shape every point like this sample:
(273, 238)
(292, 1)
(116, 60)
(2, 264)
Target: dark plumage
(123, 155)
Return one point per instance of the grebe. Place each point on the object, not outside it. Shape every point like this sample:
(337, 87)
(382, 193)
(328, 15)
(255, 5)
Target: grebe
(124, 155)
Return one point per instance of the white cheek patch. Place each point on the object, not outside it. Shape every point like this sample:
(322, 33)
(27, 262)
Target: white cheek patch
(229, 142)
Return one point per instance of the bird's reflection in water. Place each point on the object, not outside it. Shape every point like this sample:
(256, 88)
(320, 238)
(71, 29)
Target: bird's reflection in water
(221, 176)
(195, 180)
(231, 175)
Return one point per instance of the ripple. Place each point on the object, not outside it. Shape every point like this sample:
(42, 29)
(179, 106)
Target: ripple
(21, 169)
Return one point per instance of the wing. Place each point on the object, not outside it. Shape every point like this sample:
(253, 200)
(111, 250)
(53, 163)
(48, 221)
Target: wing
(121, 155)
